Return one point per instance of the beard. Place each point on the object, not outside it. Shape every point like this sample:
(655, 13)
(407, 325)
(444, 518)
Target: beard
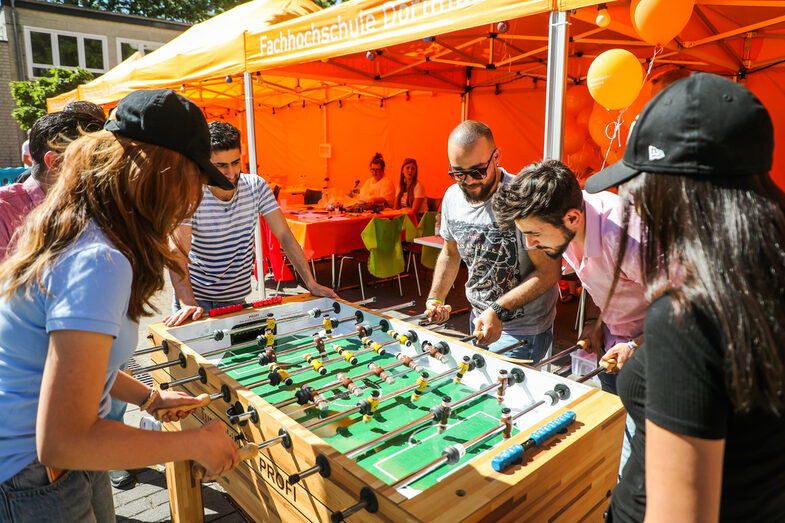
(486, 191)
(559, 250)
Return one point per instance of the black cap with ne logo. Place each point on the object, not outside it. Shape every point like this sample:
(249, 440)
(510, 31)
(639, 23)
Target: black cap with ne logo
(163, 117)
(702, 126)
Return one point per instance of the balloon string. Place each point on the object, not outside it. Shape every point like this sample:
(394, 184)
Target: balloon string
(616, 125)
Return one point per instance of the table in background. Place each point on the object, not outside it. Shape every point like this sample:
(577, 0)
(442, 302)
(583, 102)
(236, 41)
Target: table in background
(321, 234)
(436, 242)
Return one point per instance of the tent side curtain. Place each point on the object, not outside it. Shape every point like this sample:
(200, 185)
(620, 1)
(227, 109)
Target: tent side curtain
(366, 25)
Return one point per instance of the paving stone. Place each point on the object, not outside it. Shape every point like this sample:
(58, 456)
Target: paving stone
(234, 517)
(133, 508)
(160, 497)
(159, 513)
(122, 497)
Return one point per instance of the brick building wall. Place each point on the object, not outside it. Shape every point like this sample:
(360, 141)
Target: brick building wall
(72, 20)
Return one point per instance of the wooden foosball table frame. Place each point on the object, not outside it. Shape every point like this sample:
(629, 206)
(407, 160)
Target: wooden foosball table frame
(567, 479)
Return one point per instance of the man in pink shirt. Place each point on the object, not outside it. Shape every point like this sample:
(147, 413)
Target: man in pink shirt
(49, 137)
(547, 205)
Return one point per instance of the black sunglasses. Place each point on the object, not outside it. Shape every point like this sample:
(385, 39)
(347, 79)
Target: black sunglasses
(459, 175)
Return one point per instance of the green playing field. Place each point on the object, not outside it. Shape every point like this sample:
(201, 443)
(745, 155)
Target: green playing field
(398, 456)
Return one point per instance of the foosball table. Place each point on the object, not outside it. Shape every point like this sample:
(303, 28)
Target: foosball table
(345, 413)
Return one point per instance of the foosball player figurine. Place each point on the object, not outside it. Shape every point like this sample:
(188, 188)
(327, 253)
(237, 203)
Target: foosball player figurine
(464, 365)
(504, 380)
(381, 373)
(422, 382)
(368, 406)
(270, 321)
(377, 347)
(328, 326)
(442, 412)
(278, 375)
(318, 342)
(347, 354)
(506, 418)
(406, 360)
(347, 382)
(316, 364)
(403, 339)
(307, 394)
(268, 356)
(438, 351)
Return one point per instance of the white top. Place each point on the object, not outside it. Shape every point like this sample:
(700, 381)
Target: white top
(419, 192)
(384, 188)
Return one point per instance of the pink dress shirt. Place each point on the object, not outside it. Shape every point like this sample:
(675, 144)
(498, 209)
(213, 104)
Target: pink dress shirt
(16, 202)
(624, 315)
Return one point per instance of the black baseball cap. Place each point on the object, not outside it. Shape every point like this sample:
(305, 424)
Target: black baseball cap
(163, 117)
(702, 126)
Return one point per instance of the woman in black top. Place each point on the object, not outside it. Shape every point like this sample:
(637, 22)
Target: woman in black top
(707, 389)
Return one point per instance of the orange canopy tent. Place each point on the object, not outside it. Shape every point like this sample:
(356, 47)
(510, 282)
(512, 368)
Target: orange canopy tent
(331, 88)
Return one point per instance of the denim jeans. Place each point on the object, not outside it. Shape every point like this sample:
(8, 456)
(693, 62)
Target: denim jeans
(77, 496)
(206, 305)
(536, 348)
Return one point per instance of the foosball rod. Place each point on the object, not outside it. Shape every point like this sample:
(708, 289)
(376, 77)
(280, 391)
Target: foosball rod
(424, 419)
(603, 366)
(341, 382)
(582, 344)
(201, 374)
(220, 334)
(349, 412)
(250, 451)
(325, 362)
(453, 453)
(358, 315)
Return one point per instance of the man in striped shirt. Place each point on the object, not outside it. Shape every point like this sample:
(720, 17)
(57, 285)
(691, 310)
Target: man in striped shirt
(219, 237)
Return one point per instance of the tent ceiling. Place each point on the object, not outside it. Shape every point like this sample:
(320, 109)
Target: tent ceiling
(730, 37)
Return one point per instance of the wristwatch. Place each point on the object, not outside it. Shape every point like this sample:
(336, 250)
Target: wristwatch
(500, 311)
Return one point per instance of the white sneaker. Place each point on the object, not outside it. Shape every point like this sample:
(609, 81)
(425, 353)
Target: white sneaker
(149, 423)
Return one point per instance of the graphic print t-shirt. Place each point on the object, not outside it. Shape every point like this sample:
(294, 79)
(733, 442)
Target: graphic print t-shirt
(496, 259)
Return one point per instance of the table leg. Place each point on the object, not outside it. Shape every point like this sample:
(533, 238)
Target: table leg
(185, 493)
(332, 267)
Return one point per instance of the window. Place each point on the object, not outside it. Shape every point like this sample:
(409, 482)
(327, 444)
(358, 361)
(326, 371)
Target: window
(126, 48)
(47, 49)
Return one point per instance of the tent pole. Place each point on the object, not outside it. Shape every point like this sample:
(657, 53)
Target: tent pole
(558, 38)
(251, 135)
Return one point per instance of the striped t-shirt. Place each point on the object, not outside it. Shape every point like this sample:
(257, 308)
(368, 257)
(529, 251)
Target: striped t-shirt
(221, 256)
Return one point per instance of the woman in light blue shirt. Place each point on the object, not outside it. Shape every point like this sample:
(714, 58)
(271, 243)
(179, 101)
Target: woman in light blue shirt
(85, 265)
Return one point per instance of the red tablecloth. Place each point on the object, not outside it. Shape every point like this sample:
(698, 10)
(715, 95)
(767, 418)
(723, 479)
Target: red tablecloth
(322, 234)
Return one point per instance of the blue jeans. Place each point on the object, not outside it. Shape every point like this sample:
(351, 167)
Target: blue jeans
(77, 496)
(535, 349)
(206, 305)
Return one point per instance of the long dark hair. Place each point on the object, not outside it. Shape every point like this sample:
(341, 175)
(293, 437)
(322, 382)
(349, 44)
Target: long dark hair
(716, 246)
(402, 185)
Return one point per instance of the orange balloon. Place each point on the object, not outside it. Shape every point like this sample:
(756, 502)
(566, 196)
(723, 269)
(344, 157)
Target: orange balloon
(615, 78)
(599, 122)
(577, 99)
(659, 21)
(574, 136)
(582, 118)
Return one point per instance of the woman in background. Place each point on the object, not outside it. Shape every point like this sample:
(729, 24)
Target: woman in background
(411, 193)
(378, 189)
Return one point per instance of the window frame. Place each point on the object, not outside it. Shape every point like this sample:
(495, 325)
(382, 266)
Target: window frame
(53, 34)
(134, 42)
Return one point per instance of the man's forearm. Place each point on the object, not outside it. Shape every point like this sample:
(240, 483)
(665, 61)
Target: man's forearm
(182, 286)
(445, 272)
(295, 254)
